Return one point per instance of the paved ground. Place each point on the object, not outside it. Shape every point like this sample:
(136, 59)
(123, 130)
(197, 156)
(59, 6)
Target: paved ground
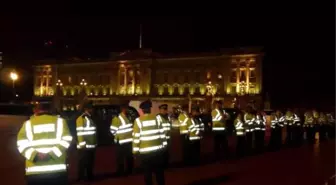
(304, 165)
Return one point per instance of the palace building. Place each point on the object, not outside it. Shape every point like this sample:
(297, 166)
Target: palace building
(232, 75)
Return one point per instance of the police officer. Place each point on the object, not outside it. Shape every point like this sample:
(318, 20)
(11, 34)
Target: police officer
(183, 119)
(322, 121)
(194, 135)
(240, 133)
(87, 142)
(309, 126)
(289, 122)
(43, 141)
(280, 130)
(297, 130)
(122, 129)
(274, 126)
(331, 125)
(249, 119)
(166, 124)
(219, 118)
(259, 127)
(149, 143)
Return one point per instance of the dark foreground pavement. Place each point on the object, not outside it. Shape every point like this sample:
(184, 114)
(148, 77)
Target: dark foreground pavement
(305, 165)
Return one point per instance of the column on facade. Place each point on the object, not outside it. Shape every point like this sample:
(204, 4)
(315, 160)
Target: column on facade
(247, 76)
(238, 77)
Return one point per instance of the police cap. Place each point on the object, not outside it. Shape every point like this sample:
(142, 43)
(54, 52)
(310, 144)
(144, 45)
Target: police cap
(146, 105)
(163, 106)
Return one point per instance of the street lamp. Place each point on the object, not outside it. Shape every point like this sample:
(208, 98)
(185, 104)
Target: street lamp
(13, 76)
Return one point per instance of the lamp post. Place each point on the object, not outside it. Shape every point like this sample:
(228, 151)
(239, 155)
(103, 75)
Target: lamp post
(13, 76)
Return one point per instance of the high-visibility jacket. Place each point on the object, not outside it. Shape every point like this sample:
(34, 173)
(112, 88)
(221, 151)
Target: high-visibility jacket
(183, 118)
(239, 126)
(86, 132)
(148, 135)
(309, 121)
(322, 120)
(274, 121)
(194, 129)
(44, 134)
(166, 124)
(331, 119)
(290, 118)
(219, 118)
(260, 123)
(316, 115)
(249, 122)
(297, 120)
(201, 125)
(122, 129)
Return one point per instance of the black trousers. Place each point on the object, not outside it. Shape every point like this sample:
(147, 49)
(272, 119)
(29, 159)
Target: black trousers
(153, 163)
(259, 140)
(185, 148)
(273, 140)
(240, 148)
(166, 155)
(297, 135)
(221, 145)
(289, 135)
(124, 158)
(310, 131)
(323, 132)
(59, 178)
(86, 164)
(331, 131)
(249, 142)
(195, 152)
(279, 137)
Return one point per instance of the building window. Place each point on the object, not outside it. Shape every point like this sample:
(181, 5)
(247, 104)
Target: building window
(242, 75)
(233, 90)
(252, 75)
(233, 76)
(137, 77)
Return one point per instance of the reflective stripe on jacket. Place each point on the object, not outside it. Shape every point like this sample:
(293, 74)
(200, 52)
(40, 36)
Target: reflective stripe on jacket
(194, 129)
(260, 123)
(218, 120)
(45, 134)
(86, 132)
(249, 122)
(122, 129)
(165, 122)
(239, 126)
(183, 118)
(148, 135)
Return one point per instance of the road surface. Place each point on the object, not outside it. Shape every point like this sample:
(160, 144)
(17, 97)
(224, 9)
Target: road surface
(309, 164)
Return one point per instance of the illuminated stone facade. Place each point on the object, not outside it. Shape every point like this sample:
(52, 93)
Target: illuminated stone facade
(224, 75)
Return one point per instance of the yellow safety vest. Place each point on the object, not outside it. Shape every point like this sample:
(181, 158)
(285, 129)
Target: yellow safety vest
(218, 121)
(148, 135)
(165, 124)
(249, 120)
(194, 129)
(260, 123)
(122, 129)
(44, 134)
(183, 118)
(86, 132)
(239, 125)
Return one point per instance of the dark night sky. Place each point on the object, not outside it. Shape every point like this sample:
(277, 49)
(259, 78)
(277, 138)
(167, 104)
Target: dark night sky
(299, 64)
